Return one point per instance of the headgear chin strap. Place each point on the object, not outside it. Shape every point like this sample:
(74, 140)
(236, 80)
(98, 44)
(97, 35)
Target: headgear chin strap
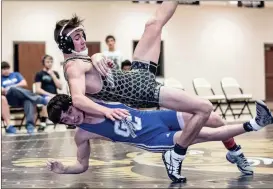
(84, 52)
(66, 44)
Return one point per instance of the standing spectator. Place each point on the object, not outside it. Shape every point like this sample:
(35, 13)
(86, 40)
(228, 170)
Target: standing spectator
(126, 65)
(12, 89)
(112, 53)
(47, 81)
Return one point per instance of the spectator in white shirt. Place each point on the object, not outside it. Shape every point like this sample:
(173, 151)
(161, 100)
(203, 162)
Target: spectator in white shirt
(112, 53)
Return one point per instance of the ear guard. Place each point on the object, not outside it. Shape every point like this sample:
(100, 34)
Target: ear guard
(65, 42)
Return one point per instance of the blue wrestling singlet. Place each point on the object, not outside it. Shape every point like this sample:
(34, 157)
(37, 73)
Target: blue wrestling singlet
(149, 130)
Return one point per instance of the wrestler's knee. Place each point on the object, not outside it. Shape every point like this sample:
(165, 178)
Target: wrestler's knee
(85, 168)
(215, 120)
(205, 108)
(13, 90)
(154, 26)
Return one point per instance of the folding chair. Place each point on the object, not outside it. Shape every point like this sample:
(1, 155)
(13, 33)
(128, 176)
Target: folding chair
(14, 111)
(204, 89)
(14, 117)
(234, 95)
(171, 82)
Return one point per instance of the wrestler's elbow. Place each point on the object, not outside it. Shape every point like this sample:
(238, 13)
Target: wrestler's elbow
(77, 100)
(85, 168)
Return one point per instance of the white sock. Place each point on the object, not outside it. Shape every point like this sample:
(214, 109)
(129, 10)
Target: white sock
(177, 156)
(236, 153)
(255, 125)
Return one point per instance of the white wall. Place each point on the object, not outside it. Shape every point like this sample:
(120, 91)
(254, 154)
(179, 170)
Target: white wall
(206, 41)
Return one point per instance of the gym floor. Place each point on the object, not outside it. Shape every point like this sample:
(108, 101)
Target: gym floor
(121, 166)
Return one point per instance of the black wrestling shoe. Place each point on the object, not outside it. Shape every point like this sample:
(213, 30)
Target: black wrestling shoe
(173, 164)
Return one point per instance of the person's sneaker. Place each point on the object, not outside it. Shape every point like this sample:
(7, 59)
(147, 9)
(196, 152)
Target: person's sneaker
(11, 129)
(263, 118)
(173, 163)
(237, 157)
(30, 128)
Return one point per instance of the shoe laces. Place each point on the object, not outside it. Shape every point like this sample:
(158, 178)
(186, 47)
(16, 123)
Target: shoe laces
(242, 161)
(178, 168)
(175, 164)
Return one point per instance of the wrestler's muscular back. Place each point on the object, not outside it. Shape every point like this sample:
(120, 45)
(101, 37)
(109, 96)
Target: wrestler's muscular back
(93, 82)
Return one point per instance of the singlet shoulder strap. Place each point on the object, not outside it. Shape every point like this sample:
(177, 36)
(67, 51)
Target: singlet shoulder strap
(84, 58)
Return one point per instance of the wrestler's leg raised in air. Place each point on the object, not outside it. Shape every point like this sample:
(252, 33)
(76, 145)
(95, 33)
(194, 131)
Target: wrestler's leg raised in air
(148, 47)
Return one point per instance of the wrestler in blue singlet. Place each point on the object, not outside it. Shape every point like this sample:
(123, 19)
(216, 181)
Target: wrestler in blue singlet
(149, 130)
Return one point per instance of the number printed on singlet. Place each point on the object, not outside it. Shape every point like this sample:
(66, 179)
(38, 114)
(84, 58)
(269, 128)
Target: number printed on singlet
(128, 126)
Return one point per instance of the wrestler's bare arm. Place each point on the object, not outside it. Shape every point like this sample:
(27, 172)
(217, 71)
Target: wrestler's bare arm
(102, 63)
(83, 154)
(76, 79)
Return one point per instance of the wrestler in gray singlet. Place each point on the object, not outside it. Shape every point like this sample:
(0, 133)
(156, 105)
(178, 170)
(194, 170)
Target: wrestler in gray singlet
(136, 88)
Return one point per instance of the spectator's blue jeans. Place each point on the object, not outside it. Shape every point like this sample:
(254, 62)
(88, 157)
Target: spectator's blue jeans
(20, 97)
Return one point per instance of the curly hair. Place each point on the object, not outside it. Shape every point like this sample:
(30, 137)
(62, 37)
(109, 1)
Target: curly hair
(58, 104)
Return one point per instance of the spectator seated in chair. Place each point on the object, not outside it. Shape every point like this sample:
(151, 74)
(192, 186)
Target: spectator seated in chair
(12, 90)
(47, 82)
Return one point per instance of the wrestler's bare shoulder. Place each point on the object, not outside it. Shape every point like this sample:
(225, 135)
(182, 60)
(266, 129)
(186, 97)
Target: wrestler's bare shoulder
(79, 63)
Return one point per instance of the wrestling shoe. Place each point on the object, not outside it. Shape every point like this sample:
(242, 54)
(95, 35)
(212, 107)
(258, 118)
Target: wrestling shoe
(238, 157)
(263, 118)
(173, 163)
